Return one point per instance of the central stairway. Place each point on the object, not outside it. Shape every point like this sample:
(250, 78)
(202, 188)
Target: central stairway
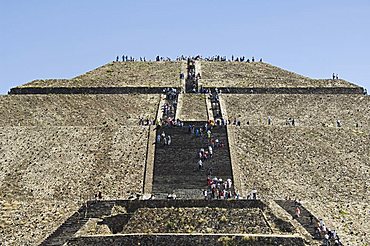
(176, 168)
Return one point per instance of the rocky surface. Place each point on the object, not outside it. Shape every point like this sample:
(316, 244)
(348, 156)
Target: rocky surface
(193, 108)
(327, 168)
(197, 220)
(307, 110)
(188, 239)
(76, 110)
(258, 74)
(121, 74)
(57, 151)
(93, 227)
(44, 166)
(27, 221)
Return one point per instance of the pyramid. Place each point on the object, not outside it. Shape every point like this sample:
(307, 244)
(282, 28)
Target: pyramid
(298, 141)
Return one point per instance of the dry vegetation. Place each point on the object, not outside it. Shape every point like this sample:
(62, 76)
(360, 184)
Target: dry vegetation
(76, 110)
(327, 168)
(121, 74)
(193, 107)
(307, 110)
(258, 74)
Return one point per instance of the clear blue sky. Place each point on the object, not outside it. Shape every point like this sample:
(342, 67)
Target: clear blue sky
(62, 39)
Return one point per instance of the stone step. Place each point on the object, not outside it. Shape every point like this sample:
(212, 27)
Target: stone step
(66, 231)
(176, 165)
(304, 218)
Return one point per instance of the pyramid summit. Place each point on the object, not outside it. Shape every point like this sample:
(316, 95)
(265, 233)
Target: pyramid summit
(232, 75)
(194, 150)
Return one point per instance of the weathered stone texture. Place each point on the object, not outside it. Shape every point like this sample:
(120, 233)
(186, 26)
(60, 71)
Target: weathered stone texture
(44, 166)
(121, 74)
(307, 110)
(327, 168)
(193, 108)
(197, 220)
(76, 110)
(27, 221)
(258, 74)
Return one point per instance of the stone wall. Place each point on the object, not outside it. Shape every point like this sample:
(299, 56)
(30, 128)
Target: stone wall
(76, 110)
(181, 239)
(327, 168)
(49, 171)
(97, 209)
(27, 221)
(307, 110)
(88, 90)
(197, 220)
(288, 90)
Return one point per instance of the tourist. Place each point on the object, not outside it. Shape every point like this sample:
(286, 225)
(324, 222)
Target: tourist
(321, 223)
(205, 193)
(317, 233)
(337, 243)
(217, 143)
(200, 164)
(311, 219)
(210, 151)
(334, 234)
(326, 241)
(229, 183)
(297, 212)
(209, 173)
(338, 123)
(254, 194)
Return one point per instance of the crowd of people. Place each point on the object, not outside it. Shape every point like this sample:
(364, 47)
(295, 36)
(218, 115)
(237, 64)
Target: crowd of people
(147, 121)
(219, 189)
(125, 58)
(218, 58)
(216, 187)
(321, 231)
(168, 109)
(130, 59)
(164, 138)
(330, 237)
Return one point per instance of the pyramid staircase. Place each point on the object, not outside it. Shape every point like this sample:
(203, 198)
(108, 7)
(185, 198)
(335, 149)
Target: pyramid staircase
(176, 166)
